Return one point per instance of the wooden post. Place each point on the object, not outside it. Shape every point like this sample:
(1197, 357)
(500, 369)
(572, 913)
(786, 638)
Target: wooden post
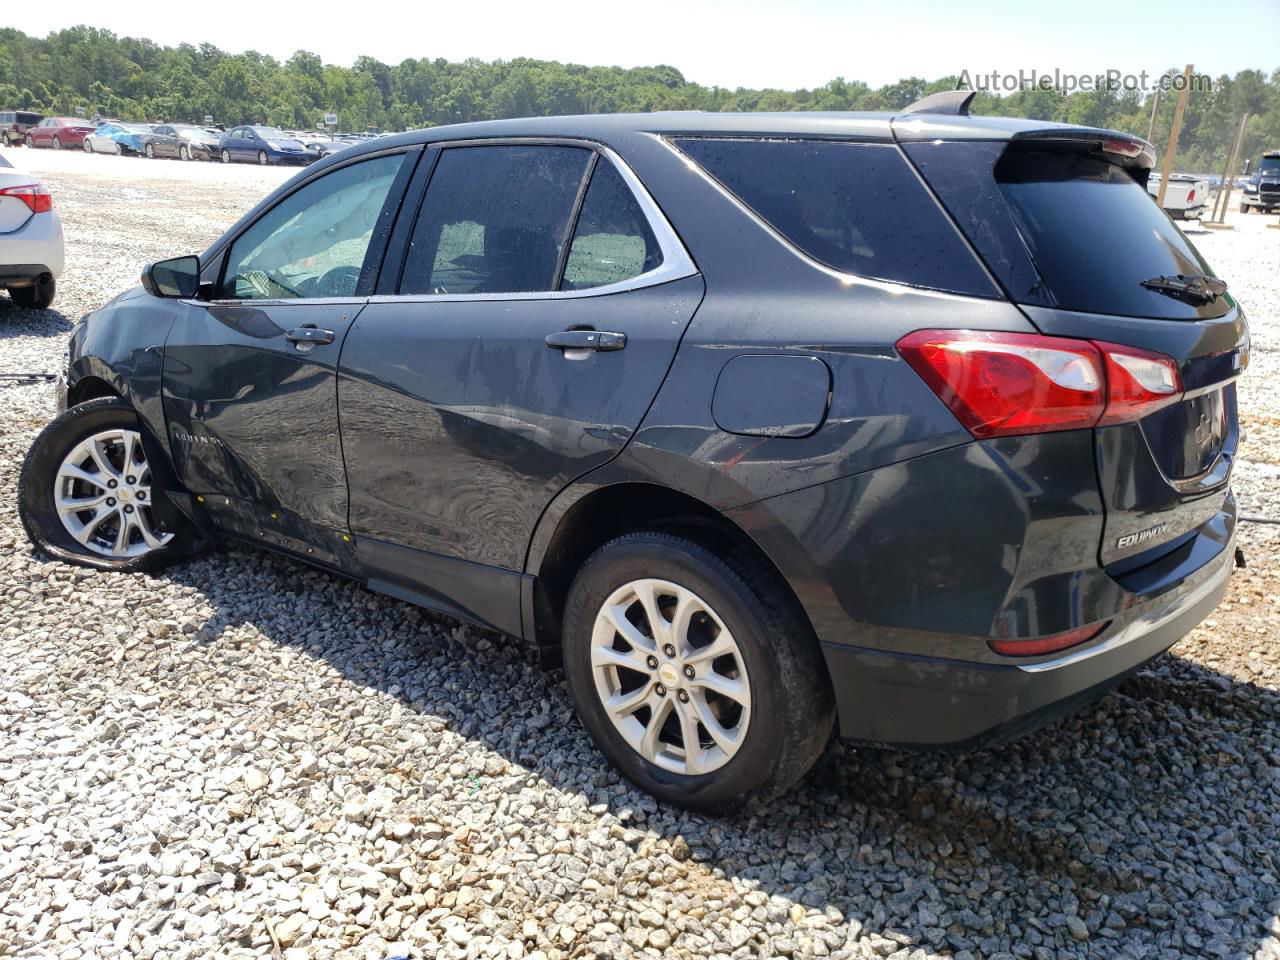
(1151, 128)
(1237, 147)
(1171, 150)
(1220, 201)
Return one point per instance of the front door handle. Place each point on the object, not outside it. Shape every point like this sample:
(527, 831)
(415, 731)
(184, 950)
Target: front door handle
(601, 340)
(308, 334)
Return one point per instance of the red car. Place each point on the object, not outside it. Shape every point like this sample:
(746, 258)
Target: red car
(59, 132)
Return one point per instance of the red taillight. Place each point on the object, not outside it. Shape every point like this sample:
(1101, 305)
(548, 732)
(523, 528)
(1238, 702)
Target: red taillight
(1038, 646)
(1191, 195)
(1006, 384)
(1010, 383)
(1139, 382)
(34, 195)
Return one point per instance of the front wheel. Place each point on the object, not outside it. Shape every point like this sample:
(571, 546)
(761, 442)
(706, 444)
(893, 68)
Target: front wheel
(263, 160)
(184, 153)
(31, 142)
(87, 493)
(699, 680)
(226, 156)
(150, 151)
(88, 147)
(57, 144)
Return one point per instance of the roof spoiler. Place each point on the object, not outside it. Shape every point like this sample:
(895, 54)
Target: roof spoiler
(952, 103)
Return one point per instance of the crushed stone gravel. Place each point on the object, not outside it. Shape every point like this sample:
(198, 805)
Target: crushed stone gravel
(243, 757)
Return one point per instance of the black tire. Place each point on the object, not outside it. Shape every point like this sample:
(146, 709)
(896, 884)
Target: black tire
(1244, 207)
(30, 142)
(150, 151)
(792, 707)
(36, 483)
(263, 159)
(38, 296)
(88, 147)
(57, 144)
(226, 156)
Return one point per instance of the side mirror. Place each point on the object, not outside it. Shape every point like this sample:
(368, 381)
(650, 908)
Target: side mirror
(178, 277)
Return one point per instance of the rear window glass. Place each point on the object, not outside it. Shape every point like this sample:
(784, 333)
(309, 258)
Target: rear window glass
(855, 207)
(1095, 234)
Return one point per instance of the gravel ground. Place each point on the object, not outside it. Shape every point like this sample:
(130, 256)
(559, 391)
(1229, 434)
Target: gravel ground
(243, 757)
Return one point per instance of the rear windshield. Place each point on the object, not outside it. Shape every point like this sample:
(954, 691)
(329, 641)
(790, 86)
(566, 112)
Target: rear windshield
(1095, 234)
(855, 207)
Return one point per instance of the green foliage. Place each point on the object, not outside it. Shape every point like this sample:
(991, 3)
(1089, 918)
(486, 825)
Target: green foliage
(140, 80)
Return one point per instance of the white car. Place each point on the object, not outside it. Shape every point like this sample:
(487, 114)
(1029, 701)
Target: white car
(31, 251)
(118, 138)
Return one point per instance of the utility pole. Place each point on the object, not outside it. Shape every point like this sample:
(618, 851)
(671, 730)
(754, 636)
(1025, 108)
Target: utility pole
(1171, 150)
(1155, 108)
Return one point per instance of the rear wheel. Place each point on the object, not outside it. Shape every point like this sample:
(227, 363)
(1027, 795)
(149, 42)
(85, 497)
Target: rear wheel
(697, 679)
(262, 157)
(38, 296)
(86, 492)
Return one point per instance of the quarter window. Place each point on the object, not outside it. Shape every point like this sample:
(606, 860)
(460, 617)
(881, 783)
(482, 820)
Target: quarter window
(314, 242)
(495, 220)
(856, 207)
(612, 240)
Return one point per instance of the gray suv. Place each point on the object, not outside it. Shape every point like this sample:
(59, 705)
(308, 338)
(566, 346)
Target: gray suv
(914, 427)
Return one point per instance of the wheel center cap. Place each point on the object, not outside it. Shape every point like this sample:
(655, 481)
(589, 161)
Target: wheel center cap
(669, 675)
(125, 494)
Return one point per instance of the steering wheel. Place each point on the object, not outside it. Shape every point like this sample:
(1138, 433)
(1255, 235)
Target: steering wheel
(337, 282)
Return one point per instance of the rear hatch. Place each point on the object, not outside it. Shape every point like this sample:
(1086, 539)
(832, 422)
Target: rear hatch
(1064, 221)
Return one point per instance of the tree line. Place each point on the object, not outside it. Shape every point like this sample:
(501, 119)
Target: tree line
(94, 71)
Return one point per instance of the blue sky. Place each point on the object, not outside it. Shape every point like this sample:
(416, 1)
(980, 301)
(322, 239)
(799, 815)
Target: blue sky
(726, 42)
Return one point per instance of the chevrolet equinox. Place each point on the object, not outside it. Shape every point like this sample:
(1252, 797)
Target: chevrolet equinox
(915, 426)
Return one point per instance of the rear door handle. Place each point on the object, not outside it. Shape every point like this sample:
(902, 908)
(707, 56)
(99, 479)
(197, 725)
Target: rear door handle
(601, 340)
(309, 335)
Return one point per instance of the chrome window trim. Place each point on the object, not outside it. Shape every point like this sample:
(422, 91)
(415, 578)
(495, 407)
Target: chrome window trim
(676, 262)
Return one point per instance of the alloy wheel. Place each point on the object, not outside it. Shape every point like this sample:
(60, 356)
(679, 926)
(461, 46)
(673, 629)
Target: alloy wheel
(88, 147)
(262, 157)
(57, 144)
(183, 153)
(670, 676)
(102, 494)
(151, 152)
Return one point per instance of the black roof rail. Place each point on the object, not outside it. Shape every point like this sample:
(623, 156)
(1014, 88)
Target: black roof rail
(953, 103)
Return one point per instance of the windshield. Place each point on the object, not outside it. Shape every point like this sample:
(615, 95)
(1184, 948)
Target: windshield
(137, 127)
(1269, 165)
(193, 133)
(1095, 235)
(271, 133)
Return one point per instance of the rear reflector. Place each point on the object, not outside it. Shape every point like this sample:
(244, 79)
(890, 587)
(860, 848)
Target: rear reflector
(34, 195)
(1007, 384)
(1039, 646)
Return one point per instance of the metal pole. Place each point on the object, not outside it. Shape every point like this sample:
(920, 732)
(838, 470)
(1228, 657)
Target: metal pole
(1171, 150)
(1151, 129)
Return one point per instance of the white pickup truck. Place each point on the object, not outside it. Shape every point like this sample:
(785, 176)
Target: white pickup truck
(1187, 197)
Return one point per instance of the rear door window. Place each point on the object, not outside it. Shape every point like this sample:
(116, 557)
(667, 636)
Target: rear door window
(856, 207)
(496, 219)
(612, 240)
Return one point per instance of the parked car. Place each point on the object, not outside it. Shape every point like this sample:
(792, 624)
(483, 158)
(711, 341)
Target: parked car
(31, 249)
(181, 140)
(320, 147)
(59, 132)
(920, 426)
(1186, 198)
(14, 125)
(1261, 191)
(118, 138)
(262, 145)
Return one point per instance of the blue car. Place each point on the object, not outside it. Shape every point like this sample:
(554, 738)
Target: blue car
(263, 145)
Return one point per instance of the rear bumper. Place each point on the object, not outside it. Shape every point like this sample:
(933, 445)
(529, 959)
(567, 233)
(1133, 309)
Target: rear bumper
(34, 249)
(915, 700)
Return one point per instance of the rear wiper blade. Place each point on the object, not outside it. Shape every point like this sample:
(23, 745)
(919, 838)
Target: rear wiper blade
(1196, 288)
